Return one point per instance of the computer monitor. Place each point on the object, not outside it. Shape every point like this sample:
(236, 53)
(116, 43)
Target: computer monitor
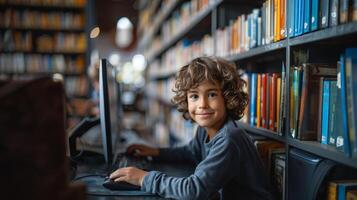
(109, 108)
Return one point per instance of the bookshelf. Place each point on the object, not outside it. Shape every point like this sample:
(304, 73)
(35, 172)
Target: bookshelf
(46, 37)
(270, 54)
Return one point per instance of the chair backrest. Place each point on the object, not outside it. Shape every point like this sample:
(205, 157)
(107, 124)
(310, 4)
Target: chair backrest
(32, 141)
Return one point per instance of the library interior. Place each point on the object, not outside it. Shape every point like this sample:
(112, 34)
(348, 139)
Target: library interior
(178, 99)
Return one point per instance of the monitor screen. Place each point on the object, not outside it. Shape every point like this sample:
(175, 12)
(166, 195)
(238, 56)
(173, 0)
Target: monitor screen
(109, 108)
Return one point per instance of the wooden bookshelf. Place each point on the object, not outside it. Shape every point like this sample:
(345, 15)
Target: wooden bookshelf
(261, 58)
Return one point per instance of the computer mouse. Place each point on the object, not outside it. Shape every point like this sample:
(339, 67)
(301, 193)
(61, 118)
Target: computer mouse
(119, 185)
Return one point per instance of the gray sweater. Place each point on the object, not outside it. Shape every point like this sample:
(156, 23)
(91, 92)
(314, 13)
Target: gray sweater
(228, 164)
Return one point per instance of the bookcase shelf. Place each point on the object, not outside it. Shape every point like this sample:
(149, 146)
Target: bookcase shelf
(323, 45)
(44, 7)
(194, 21)
(324, 34)
(39, 39)
(263, 132)
(44, 30)
(258, 51)
(159, 18)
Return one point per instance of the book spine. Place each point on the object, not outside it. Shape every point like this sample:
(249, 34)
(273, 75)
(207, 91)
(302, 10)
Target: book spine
(253, 99)
(332, 113)
(343, 11)
(291, 17)
(324, 13)
(325, 112)
(307, 16)
(333, 13)
(345, 131)
(314, 14)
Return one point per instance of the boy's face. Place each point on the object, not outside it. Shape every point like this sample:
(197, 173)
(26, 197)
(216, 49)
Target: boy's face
(206, 106)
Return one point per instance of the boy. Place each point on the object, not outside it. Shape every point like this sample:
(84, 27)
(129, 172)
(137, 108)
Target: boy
(208, 91)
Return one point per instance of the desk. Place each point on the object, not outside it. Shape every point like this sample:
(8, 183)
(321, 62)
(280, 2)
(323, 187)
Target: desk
(101, 193)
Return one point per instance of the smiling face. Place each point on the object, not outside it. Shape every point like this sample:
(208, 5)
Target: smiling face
(206, 106)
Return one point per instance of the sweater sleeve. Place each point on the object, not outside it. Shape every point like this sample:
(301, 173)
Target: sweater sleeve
(210, 175)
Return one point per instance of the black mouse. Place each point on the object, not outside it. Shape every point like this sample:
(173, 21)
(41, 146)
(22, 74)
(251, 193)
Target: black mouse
(119, 185)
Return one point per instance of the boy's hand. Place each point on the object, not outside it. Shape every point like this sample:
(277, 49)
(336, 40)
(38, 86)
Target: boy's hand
(142, 150)
(131, 175)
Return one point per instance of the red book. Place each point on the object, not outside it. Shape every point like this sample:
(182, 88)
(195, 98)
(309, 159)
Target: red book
(272, 101)
(263, 100)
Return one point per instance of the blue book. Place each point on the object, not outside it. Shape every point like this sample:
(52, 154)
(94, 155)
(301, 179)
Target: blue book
(291, 18)
(298, 25)
(332, 113)
(314, 14)
(253, 98)
(296, 16)
(325, 111)
(307, 16)
(345, 131)
(344, 187)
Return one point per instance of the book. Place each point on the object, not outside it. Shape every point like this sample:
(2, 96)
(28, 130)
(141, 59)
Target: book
(278, 176)
(307, 99)
(351, 195)
(263, 99)
(344, 113)
(291, 17)
(324, 13)
(345, 186)
(258, 110)
(314, 14)
(307, 16)
(263, 147)
(325, 111)
(278, 104)
(282, 113)
(332, 113)
(272, 101)
(253, 99)
(351, 101)
(334, 9)
(343, 18)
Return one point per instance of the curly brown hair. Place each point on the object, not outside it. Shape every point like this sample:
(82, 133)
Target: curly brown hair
(216, 70)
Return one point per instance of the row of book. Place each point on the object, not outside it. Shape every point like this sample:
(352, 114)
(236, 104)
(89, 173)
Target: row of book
(12, 18)
(38, 63)
(265, 109)
(76, 86)
(272, 154)
(161, 90)
(46, 43)
(323, 102)
(268, 23)
(75, 3)
(309, 15)
(262, 26)
(179, 55)
(180, 19)
(342, 190)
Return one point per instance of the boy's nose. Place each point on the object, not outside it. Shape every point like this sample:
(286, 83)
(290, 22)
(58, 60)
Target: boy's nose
(203, 103)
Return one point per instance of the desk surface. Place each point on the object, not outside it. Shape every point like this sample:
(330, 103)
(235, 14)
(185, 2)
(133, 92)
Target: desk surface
(92, 174)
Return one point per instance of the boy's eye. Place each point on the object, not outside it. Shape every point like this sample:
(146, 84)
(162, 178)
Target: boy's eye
(193, 97)
(212, 94)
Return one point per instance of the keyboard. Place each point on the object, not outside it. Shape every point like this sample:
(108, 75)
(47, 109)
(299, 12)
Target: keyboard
(132, 161)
